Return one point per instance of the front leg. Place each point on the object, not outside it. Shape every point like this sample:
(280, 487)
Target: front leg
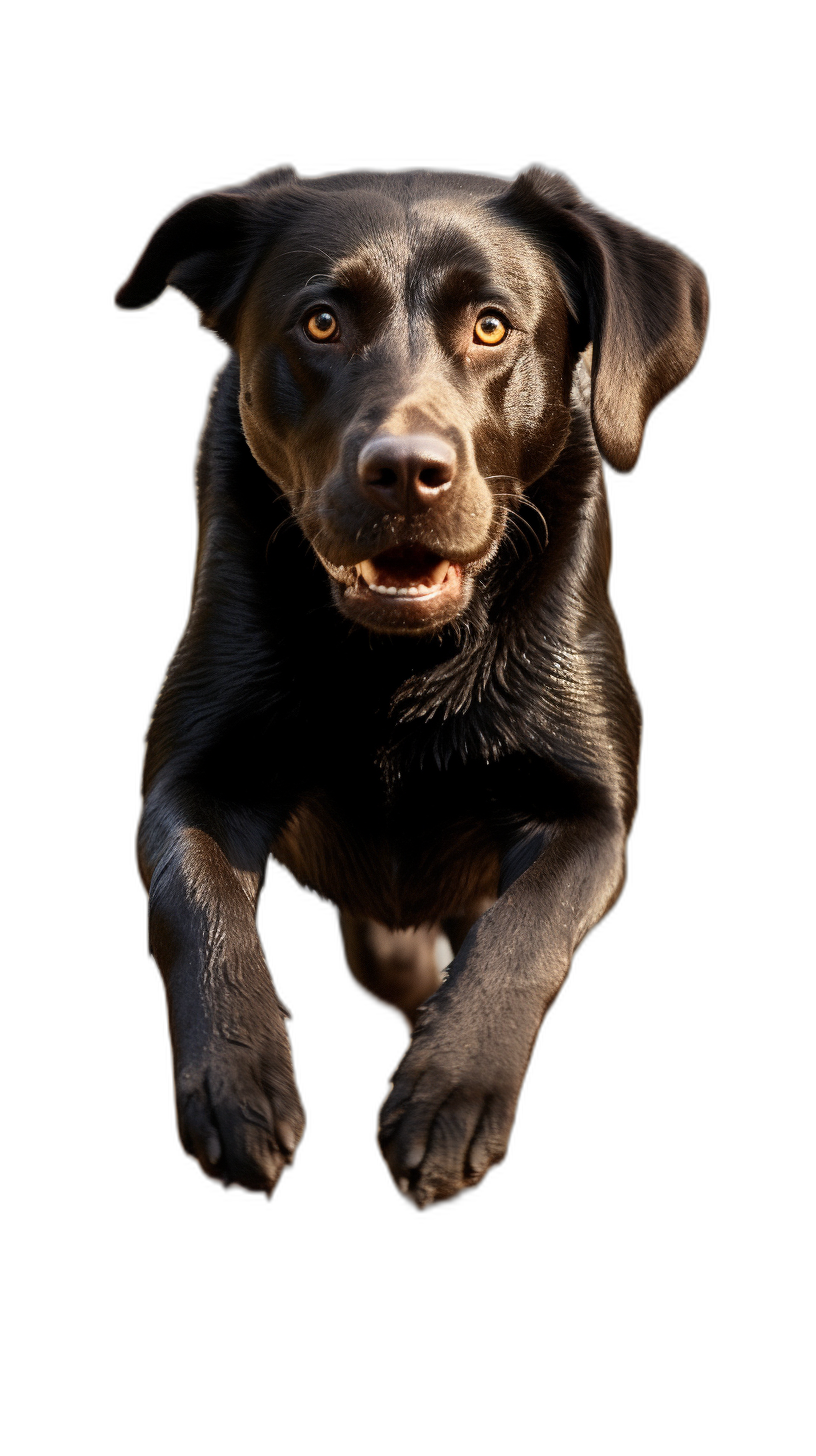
(238, 1107)
(449, 1114)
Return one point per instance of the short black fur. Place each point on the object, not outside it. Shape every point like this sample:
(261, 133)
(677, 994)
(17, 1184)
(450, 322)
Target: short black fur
(461, 756)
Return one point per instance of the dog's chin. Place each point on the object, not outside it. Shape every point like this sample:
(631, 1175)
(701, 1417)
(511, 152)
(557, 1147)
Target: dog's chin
(408, 591)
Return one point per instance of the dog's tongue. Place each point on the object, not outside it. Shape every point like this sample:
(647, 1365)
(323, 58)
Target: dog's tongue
(404, 566)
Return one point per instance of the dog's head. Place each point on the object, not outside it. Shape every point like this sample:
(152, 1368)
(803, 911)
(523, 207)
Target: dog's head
(407, 343)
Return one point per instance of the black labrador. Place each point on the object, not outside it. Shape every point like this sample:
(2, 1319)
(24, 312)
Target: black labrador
(401, 675)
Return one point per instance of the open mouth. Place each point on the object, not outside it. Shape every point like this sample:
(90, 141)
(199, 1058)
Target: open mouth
(406, 589)
(409, 573)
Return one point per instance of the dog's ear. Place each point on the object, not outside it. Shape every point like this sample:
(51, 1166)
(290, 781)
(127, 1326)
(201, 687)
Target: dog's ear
(207, 249)
(641, 304)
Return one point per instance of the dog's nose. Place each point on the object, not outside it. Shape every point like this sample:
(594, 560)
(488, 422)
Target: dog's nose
(406, 472)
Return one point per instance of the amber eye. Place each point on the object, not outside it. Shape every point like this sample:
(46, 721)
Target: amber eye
(321, 325)
(490, 329)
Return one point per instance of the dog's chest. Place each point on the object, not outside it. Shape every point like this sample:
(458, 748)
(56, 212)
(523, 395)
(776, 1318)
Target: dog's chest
(404, 865)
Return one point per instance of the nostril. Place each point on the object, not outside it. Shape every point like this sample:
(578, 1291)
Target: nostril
(435, 476)
(381, 475)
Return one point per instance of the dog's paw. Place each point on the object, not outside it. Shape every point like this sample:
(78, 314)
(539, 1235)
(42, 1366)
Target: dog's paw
(239, 1114)
(447, 1120)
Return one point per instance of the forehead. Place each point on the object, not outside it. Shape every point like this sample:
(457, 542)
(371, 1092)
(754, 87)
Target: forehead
(362, 239)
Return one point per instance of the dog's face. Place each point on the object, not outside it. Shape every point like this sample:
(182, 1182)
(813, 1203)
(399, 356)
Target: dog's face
(405, 371)
(407, 344)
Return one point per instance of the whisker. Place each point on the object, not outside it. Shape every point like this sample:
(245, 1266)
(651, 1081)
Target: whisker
(516, 501)
(287, 521)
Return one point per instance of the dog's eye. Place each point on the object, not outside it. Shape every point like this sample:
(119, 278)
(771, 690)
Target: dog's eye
(322, 325)
(490, 329)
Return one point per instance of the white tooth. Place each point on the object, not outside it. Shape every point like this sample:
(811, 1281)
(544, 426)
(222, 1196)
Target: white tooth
(392, 591)
(413, 591)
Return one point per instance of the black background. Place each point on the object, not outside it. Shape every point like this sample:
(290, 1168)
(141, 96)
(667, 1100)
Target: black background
(621, 1149)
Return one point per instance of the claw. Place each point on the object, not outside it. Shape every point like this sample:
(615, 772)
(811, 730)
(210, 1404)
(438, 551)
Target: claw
(287, 1137)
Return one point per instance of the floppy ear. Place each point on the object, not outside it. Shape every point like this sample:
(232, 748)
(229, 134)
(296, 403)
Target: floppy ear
(641, 304)
(206, 249)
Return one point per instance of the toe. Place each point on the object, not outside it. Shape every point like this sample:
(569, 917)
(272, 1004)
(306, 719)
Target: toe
(443, 1171)
(241, 1124)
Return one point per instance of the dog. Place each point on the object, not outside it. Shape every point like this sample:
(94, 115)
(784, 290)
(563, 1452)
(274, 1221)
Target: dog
(401, 674)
